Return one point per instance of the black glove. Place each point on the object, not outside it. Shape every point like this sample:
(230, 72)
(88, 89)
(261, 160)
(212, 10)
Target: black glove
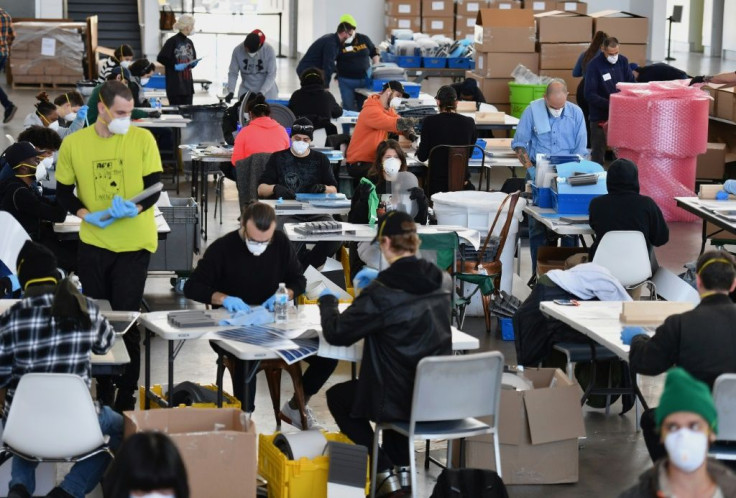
(283, 192)
(412, 137)
(6, 286)
(697, 79)
(317, 188)
(154, 114)
(417, 194)
(229, 97)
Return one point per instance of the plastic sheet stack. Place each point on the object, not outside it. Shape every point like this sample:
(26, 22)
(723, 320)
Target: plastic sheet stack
(662, 127)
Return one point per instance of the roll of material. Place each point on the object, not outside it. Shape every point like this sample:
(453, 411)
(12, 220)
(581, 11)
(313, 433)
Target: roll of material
(304, 444)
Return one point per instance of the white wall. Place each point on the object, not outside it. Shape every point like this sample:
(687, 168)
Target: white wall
(680, 34)
(729, 34)
(319, 17)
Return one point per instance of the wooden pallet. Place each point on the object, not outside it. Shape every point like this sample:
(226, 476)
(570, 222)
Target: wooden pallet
(42, 86)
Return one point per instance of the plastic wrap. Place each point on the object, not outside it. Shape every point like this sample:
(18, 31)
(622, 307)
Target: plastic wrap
(663, 179)
(48, 52)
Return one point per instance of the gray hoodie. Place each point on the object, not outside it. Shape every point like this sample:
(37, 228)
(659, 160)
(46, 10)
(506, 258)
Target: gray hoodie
(258, 73)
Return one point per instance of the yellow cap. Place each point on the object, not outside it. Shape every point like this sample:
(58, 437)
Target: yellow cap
(349, 19)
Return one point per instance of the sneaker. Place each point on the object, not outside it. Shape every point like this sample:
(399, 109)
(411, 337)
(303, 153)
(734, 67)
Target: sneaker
(58, 492)
(293, 417)
(18, 491)
(10, 113)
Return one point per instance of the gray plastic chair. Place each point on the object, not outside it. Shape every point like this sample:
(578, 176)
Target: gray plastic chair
(248, 172)
(724, 396)
(449, 392)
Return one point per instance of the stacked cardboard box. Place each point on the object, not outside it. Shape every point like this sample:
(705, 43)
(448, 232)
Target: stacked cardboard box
(562, 36)
(579, 7)
(503, 39)
(548, 5)
(631, 30)
(438, 17)
(402, 14)
(504, 4)
(47, 53)
(467, 12)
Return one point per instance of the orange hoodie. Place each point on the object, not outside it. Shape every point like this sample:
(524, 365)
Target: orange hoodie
(374, 124)
(261, 135)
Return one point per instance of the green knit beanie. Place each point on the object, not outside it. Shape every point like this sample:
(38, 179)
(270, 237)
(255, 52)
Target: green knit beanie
(684, 393)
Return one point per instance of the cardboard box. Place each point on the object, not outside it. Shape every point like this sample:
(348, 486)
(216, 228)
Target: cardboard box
(712, 164)
(438, 8)
(500, 64)
(566, 75)
(651, 312)
(403, 7)
(720, 132)
(711, 90)
(218, 450)
(560, 55)
(470, 8)
(563, 27)
(627, 27)
(498, 30)
(540, 5)
(579, 7)
(726, 104)
(538, 432)
(553, 258)
(635, 53)
(504, 4)
(438, 26)
(495, 90)
(464, 27)
(401, 22)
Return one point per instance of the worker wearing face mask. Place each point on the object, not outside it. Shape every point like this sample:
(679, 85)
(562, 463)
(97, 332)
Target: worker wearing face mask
(121, 57)
(606, 70)
(299, 169)
(47, 115)
(554, 126)
(376, 120)
(687, 423)
(243, 269)
(255, 61)
(322, 53)
(68, 105)
(107, 163)
(353, 64)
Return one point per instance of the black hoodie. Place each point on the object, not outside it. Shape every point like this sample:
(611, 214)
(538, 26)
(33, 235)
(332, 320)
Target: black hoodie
(315, 103)
(623, 208)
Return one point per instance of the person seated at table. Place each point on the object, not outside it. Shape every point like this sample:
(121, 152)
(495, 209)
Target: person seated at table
(20, 197)
(47, 115)
(704, 351)
(403, 314)
(298, 169)
(468, 91)
(367, 204)
(140, 73)
(687, 423)
(67, 106)
(376, 120)
(119, 74)
(446, 128)
(54, 329)
(243, 269)
(314, 102)
(623, 208)
(553, 126)
(263, 134)
(122, 56)
(44, 139)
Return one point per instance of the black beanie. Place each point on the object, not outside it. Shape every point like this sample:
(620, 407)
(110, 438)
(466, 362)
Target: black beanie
(36, 262)
(302, 126)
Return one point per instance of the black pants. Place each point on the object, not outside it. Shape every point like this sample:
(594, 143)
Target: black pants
(119, 277)
(180, 99)
(598, 143)
(313, 379)
(656, 449)
(395, 447)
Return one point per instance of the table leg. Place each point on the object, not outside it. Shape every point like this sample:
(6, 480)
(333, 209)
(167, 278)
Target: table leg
(704, 237)
(147, 382)
(177, 157)
(253, 366)
(195, 179)
(172, 357)
(205, 199)
(220, 375)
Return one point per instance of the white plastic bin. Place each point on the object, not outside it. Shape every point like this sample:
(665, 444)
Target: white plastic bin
(476, 210)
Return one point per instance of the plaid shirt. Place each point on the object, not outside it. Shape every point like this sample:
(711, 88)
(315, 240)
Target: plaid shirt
(31, 341)
(7, 33)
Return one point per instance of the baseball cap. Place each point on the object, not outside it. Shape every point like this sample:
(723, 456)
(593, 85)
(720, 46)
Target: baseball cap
(19, 152)
(394, 223)
(349, 19)
(396, 86)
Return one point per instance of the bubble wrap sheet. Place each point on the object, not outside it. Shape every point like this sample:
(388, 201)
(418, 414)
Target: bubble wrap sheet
(662, 127)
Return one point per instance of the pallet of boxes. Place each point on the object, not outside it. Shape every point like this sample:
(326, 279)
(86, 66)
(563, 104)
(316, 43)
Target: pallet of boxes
(47, 54)
(438, 17)
(402, 14)
(504, 38)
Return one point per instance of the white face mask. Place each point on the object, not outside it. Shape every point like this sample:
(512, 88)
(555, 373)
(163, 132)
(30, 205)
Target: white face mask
(396, 102)
(256, 248)
(153, 494)
(41, 171)
(119, 126)
(349, 39)
(54, 125)
(70, 117)
(299, 147)
(556, 113)
(391, 167)
(686, 448)
(144, 81)
(612, 59)
(125, 64)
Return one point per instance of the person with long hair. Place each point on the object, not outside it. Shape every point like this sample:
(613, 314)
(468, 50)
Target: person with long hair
(579, 72)
(47, 115)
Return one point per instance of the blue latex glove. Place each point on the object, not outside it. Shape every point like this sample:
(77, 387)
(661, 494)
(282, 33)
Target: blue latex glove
(232, 303)
(96, 218)
(242, 319)
(364, 277)
(721, 195)
(122, 208)
(730, 186)
(14, 280)
(327, 292)
(181, 66)
(82, 112)
(628, 333)
(268, 303)
(194, 63)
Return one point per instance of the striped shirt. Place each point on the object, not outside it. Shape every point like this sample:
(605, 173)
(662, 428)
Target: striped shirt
(32, 341)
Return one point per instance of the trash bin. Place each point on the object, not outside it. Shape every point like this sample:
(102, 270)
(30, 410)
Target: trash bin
(206, 125)
(522, 94)
(176, 252)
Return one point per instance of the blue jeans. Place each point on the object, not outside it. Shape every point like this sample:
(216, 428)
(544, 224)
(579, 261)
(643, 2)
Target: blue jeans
(347, 92)
(85, 474)
(4, 100)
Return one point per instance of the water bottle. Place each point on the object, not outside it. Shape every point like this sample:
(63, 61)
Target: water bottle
(158, 105)
(280, 305)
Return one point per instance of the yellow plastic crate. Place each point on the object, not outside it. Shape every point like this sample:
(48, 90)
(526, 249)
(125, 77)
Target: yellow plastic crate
(296, 479)
(228, 400)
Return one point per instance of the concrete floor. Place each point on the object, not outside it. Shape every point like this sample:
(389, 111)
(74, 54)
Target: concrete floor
(613, 454)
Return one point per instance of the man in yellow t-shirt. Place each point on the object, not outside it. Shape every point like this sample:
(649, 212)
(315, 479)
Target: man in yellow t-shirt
(109, 162)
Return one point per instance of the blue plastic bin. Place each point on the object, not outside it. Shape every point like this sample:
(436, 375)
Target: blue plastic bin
(434, 62)
(572, 203)
(459, 62)
(542, 197)
(157, 81)
(412, 89)
(477, 154)
(507, 329)
(409, 61)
